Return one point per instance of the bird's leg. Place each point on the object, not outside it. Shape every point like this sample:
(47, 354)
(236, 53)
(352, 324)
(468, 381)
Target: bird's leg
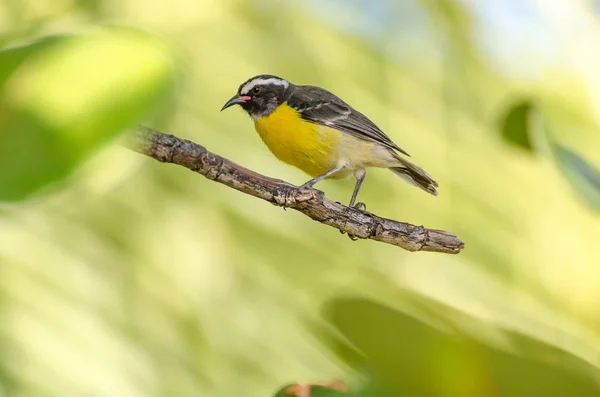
(359, 180)
(360, 177)
(319, 178)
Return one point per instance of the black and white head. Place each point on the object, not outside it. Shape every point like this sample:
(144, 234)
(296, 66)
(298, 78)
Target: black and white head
(261, 95)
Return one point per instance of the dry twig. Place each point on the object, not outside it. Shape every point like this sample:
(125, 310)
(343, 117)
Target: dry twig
(310, 202)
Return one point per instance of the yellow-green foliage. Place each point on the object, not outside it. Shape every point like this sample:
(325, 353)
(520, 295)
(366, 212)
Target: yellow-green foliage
(133, 278)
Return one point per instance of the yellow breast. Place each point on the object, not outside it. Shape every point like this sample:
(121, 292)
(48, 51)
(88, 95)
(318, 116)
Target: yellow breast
(308, 146)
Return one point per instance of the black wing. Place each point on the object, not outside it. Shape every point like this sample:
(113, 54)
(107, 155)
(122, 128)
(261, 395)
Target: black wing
(322, 107)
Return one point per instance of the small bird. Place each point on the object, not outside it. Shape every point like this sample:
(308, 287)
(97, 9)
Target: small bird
(314, 130)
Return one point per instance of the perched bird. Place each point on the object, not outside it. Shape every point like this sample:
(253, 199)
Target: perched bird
(312, 129)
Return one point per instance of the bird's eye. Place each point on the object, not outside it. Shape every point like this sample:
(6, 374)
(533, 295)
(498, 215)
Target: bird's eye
(257, 89)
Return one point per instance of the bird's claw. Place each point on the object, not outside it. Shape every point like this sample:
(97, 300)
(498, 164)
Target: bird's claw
(360, 206)
(309, 186)
(350, 236)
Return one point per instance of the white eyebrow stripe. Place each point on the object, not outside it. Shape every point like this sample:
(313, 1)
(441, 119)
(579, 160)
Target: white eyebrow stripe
(251, 84)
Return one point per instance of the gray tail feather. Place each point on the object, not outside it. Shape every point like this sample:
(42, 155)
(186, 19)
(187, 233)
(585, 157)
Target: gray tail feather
(416, 176)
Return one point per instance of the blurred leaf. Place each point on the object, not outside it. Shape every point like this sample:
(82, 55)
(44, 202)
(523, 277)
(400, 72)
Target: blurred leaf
(407, 354)
(67, 99)
(11, 58)
(455, 22)
(582, 176)
(338, 346)
(515, 126)
(93, 7)
(524, 127)
(334, 389)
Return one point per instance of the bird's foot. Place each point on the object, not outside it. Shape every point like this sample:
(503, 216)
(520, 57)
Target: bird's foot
(361, 207)
(309, 185)
(351, 236)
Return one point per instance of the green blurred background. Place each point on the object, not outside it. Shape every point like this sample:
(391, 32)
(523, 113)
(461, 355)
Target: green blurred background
(121, 276)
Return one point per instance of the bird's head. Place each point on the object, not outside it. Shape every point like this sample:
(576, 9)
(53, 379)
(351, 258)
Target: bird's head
(261, 95)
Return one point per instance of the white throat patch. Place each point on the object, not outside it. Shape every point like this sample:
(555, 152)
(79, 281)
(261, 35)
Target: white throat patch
(260, 81)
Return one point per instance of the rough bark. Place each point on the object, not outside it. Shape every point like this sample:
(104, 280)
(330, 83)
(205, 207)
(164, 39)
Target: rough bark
(311, 202)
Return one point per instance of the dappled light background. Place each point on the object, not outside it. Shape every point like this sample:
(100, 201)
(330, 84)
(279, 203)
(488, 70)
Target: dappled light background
(121, 276)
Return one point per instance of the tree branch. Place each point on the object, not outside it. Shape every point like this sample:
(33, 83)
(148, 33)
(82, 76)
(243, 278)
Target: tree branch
(310, 202)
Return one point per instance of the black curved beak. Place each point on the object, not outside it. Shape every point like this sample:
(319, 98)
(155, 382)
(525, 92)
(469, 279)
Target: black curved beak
(236, 100)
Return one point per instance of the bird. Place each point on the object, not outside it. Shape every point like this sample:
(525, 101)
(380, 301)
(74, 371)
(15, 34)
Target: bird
(314, 130)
